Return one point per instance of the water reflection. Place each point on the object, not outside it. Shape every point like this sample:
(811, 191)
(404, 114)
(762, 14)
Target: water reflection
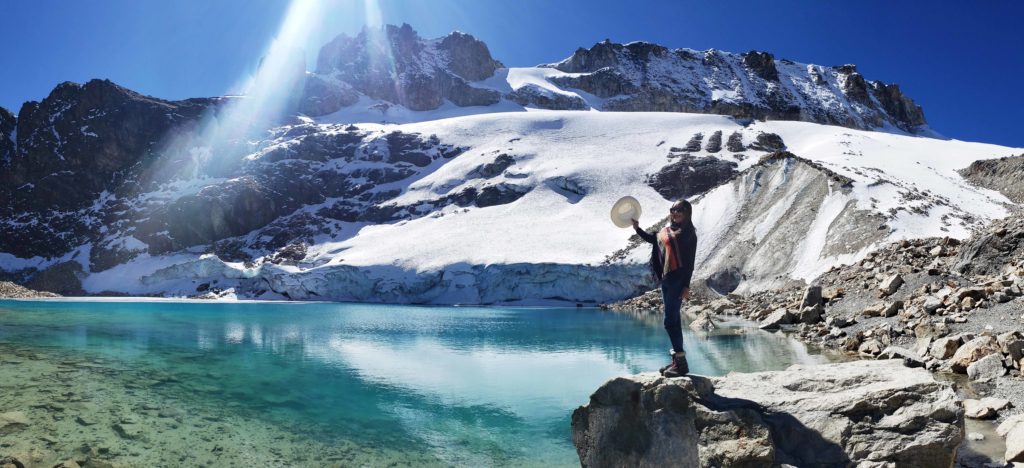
(471, 386)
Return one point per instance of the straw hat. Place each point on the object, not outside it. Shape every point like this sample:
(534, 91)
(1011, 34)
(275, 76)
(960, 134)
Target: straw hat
(624, 211)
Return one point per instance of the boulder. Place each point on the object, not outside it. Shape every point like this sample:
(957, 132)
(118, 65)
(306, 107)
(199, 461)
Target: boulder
(971, 352)
(1012, 345)
(811, 314)
(832, 293)
(987, 368)
(890, 285)
(812, 296)
(870, 347)
(829, 415)
(945, 347)
(1013, 430)
(984, 408)
(909, 358)
(932, 304)
(776, 319)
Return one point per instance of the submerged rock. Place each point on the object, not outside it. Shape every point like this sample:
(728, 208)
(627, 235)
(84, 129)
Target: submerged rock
(827, 415)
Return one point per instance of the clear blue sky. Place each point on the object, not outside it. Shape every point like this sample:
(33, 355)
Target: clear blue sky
(962, 61)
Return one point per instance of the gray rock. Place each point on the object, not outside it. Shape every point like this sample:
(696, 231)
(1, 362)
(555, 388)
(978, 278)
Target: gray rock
(812, 296)
(1012, 345)
(909, 358)
(971, 352)
(811, 314)
(839, 322)
(870, 347)
(890, 285)
(932, 304)
(984, 408)
(828, 415)
(1013, 430)
(987, 368)
(944, 348)
(776, 319)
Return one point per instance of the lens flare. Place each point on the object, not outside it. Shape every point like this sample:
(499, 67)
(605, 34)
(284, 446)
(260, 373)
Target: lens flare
(270, 95)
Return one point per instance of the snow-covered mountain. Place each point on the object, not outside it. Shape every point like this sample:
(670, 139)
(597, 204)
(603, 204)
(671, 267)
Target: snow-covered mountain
(108, 191)
(382, 75)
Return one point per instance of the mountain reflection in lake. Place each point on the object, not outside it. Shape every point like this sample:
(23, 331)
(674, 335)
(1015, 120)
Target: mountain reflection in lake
(325, 383)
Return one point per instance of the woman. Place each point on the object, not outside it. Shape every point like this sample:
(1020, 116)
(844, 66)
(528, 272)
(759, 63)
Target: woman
(672, 258)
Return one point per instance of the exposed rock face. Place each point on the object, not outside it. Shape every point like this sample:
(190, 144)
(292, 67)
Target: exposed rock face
(81, 141)
(63, 278)
(8, 122)
(690, 175)
(829, 415)
(1003, 175)
(398, 66)
(740, 253)
(987, 252)
(532, 95)
(116, 201)
(644, 77)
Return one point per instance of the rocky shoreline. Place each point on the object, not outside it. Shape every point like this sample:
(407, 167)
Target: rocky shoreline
(860, 413)
(953, 308)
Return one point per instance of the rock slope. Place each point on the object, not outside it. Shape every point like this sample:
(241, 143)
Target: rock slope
(1002, 174)
(9, 290)
(869, 413)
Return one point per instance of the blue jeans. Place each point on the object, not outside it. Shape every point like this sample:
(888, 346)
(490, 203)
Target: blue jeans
(671, 294)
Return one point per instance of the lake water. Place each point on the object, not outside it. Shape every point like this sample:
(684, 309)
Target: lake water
(321, 384)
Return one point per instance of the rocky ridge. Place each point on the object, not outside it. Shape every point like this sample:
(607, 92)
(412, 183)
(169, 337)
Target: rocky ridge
(1002, 174)
(646, 77)
(395, 66)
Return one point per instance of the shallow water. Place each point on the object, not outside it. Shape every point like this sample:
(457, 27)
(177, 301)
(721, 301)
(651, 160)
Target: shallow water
(315, 384)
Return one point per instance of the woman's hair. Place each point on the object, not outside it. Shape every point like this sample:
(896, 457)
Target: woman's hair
(686, 209)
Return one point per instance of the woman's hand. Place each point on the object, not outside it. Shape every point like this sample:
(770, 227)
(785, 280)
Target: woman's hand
(686, 294)
(636, 224)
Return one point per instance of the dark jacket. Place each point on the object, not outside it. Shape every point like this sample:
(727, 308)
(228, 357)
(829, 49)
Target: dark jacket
(688, 248)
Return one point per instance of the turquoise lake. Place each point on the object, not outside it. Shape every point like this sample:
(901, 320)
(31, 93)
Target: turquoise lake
(321, 384)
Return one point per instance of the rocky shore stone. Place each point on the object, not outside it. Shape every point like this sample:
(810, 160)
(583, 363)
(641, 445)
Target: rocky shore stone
(703, 322)
(984, 408)
(971, 352)
(776, 319)
(1012, 429)
(987, 368)
(874, 412)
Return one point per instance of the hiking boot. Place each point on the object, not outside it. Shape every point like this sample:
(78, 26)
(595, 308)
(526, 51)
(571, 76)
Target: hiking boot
(679, 367)
(671, 364)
